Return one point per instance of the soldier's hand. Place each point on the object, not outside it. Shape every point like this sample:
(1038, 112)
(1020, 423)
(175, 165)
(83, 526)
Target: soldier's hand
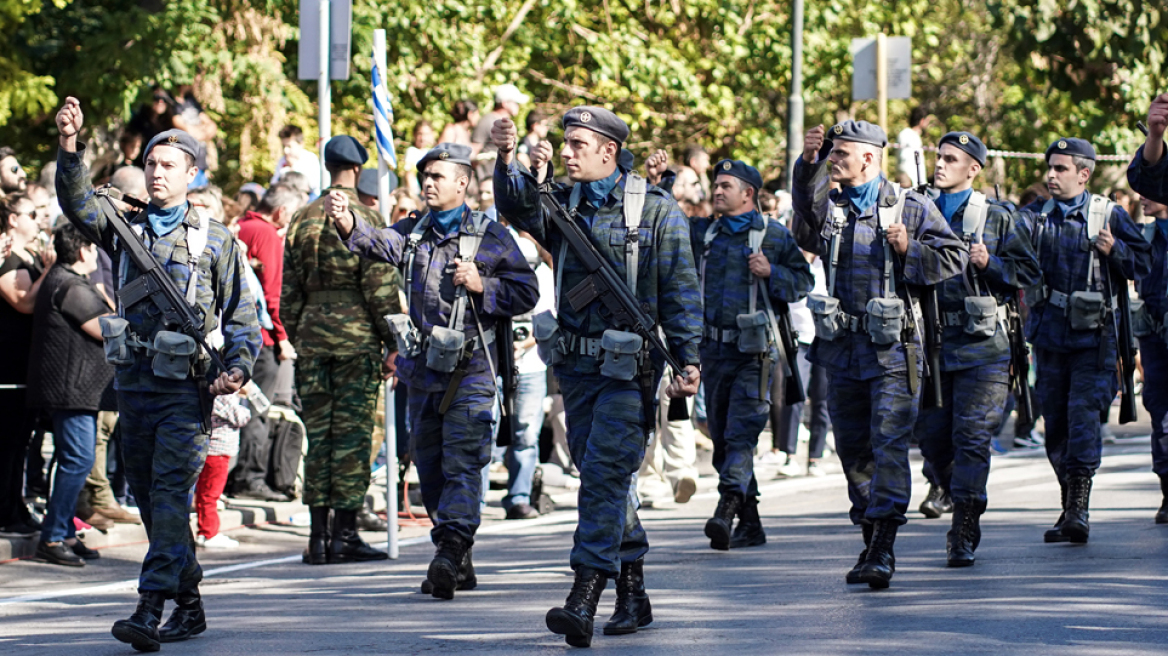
(540, 157)
(389, 368)
(979, 255)
(760, 266)
(655, 166)
(505, 136)
(1157, 123)
(287, 352)
(336, 207)
(898, 238)
(812, 142)
(467, 274)
(228, 382)
(685, 386)
(1104, 241)
(69, 121)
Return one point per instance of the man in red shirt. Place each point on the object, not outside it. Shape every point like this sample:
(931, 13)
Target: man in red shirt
(262, 231)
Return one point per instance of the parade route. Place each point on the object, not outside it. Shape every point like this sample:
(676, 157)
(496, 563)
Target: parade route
(789, 596)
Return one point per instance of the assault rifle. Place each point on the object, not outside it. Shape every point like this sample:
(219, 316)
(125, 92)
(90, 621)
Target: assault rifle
(1019, 352)
(505, 356)
(933, 331)
(1125, 343)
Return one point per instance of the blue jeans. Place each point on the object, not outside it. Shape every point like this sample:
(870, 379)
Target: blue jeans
(74, 438)
(814, 380)
(523, 454)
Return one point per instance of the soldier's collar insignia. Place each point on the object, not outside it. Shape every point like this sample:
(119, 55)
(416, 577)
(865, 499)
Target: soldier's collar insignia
(1062, 145)
(585, 117)
(963, 140)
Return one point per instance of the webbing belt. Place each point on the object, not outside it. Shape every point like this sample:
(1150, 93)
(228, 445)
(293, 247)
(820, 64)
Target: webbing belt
(335, 296)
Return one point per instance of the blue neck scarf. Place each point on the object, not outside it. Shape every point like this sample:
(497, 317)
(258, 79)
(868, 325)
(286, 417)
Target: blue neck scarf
(597, 190)
(950, 203)
(865, 195)
(740, 223)
(1065, 208)
(163, 221)
(446, 220)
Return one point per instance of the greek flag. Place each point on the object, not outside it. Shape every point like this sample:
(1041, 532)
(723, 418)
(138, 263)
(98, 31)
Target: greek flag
(383, 118)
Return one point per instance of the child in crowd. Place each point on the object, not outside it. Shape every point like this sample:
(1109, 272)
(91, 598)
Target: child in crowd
(228, 415)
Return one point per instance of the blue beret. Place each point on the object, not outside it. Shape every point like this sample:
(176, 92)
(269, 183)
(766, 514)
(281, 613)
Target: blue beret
(446, 151)
(967, 142)
(740, 170)
(1071, 146)
(626, 161)
(859, 132)
(175, 139)
(343, 149)
(599, 120)
(367, 183)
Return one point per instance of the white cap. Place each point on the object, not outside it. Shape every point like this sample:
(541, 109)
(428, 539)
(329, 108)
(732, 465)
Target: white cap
(509, 93)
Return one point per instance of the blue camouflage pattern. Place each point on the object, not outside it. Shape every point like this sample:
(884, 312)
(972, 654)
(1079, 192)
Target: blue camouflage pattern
(1149, 181)
(736, 411)
(222, 297)
(1154, 357)
(1153, 288)
(1075, 391)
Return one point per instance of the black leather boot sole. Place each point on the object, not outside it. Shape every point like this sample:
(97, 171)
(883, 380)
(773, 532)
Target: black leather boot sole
(877, 580)
(136, 637)
(853, 576)
(186, 631)
(747, 535)
(718, 530)
(443, 578)
(1076, 532)
(1162, 514)
(576, 630)
(931, 510)
(642, 622)
(963, 559)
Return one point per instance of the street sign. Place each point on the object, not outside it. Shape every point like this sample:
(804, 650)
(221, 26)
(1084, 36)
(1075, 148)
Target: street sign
(340, 29)
(898, 56)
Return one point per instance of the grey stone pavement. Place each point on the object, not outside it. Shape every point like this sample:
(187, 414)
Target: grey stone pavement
(789, 596)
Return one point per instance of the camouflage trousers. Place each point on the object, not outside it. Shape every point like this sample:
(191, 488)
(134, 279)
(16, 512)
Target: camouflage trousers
(872, 420)
(450, 452)
(1154, 356)
(607, 438)
(339, 398)
(164, 447)
(737, 411)
(955, 438)
(1075, 392)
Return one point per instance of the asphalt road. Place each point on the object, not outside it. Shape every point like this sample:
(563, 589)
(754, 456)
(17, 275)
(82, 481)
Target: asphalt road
(789, 596)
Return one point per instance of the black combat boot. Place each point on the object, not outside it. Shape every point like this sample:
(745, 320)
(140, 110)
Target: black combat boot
(140, 630)
(718, 527)
(748, 532)
(633, 610)
(1162, 514)
(347, 546)
(187, 620)
(1055, 534)
(853, 576)
(574, 620)
(964, 536)
(1075, 526)
(881, 562)
(466, 576)
(936, 502)
(444, 571)
(318, 537)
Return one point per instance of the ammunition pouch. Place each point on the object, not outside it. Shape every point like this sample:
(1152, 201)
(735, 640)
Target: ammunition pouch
(444, 349)
(1142, 322)
(981, 316)
(173, 355)
(115, 337)
(1085, 310)
(1035, 295)
(620, 354)
(886, 320)
(825, 312)
(549, 340)
(753, 333)
(409, 339)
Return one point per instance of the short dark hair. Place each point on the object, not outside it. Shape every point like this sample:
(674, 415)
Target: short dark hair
(917, 115)
(462, 110)
(533, 117)
(292, 132)
(8, 206)
(6, 151)
(68, 241)
(691, 151)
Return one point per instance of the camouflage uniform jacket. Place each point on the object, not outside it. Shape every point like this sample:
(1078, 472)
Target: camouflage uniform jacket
(222, 290)
(667, 281)
(333, 302)
(1149, 181)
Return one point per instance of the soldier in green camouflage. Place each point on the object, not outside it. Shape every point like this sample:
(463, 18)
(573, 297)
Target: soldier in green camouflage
(333, 303)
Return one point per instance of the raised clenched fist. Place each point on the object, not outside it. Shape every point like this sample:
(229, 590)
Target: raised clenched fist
(69, 121)
(542, 154)
(812, 142)
(505, 136)
(655, 166)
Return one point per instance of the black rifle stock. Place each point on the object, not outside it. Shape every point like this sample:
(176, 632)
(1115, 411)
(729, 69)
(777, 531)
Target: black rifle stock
(793, 388)
(1125, 345)
(505, 354)
(623, 308)
(1019, 361)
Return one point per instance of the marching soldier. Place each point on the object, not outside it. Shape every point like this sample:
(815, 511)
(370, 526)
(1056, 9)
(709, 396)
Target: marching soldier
(749, 268)
(163, 395)
(975, 353)
(463, 272)
(605, 375)
(878, 244)
(1088, 247)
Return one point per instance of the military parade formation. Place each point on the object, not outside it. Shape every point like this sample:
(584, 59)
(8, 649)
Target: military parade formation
(935, 296)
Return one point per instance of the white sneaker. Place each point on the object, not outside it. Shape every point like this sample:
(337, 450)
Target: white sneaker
(791, 470)
(220, 541)
(773, 459)
(813, 469)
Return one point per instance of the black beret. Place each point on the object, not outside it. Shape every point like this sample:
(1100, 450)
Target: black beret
(343, 149)
(740, 170)
(446, 151)
(625, 160)
(367, 183)
(859, 132)
(599, 120)
(967, 142)
(175, 139)
(1071, 146)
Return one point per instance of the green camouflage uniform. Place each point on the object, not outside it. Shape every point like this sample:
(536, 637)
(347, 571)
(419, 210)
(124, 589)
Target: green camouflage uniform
(332, 305)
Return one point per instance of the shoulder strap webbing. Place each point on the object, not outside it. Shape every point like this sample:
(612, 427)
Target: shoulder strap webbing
(708, 239)
(634, 204)
(888, 216)
(196, 243)
(974, 219)
(468, 247)
(414, 239)
(839, 219)
(1098, 212)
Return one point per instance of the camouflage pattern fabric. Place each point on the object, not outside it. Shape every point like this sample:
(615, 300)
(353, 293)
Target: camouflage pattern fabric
(1149, 181)
(1074, 391)
(1154, 356)
(737, 413)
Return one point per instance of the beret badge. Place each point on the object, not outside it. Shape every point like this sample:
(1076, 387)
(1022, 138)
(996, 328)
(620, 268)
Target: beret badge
(586, 117)
(1062, 145)
(963, 140)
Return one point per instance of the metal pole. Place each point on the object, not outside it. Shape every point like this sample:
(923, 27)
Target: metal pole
(382, 164)
(795, 100)
(391, 466)
(323, 92)
(882, 88)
